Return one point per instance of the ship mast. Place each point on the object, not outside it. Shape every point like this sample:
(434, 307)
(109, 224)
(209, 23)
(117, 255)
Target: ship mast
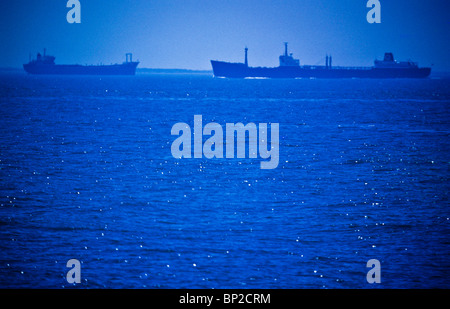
(130, 56)
(246, 59)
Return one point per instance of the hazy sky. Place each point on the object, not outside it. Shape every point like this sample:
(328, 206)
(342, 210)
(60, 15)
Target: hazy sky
(189, 33)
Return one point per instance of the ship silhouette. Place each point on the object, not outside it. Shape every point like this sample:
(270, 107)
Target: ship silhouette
(44, 64)
(290, 68)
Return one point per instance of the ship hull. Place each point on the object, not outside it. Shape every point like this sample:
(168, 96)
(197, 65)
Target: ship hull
(128, 68)
(240, 70)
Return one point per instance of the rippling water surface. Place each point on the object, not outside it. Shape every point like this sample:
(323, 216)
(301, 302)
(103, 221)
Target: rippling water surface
(86, 172)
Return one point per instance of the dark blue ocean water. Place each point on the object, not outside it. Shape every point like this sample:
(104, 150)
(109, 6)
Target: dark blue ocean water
(87, 173)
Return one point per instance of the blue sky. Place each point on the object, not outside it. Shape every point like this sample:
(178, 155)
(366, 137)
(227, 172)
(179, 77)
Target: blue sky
(189, 33)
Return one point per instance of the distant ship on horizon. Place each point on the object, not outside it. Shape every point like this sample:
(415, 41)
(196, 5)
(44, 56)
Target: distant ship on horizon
(44, 64)
(291, 68)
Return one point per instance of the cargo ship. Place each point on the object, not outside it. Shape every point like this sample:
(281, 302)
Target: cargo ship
(44, 64)
(290, 68)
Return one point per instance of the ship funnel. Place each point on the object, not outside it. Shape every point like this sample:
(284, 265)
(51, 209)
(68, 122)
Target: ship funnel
(286, 49)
